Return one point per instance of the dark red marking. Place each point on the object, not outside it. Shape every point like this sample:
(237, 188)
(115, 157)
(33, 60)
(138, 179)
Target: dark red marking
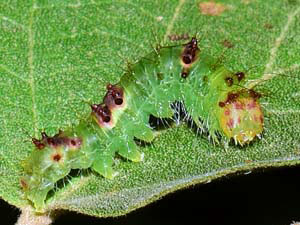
(73, 142)
(56, 157)
(238, 106)
(227, 112)
(261, 118)
(114, 96)
(38, 143)
(54, 141)
(184, 74)
(24, 184)
(231, 97)
(240, 75)
(57, 140)
(102, 112)
(254, 94)
(189, 52)
(251, 105)
(229, 81)
(230, 123)
(221, 104)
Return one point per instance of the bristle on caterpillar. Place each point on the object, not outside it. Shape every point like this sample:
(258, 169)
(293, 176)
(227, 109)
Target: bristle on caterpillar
(208, 91)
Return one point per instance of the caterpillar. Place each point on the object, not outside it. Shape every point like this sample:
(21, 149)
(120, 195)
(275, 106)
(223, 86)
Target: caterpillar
(214, 97)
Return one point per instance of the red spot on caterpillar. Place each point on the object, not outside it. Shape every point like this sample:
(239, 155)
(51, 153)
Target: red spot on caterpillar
(254, 94)
(227, 112)
(261, 118)
(56, 157)
(73, 143)
(238, 105)
(251, 105)
(23, 184)
(184, 74)
(38, 143)
(56, 141)
(231, 97)
(221, 104)
(240, 75)
(229, 81)
(230, 123)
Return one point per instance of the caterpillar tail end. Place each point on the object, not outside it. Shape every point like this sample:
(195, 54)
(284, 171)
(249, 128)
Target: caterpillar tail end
(132, 155)
(103, 165)
(106, 172)
(128, 150)
(38, 200)
(36, 196)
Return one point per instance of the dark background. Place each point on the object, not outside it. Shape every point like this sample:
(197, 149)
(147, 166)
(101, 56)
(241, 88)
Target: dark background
(268, 196)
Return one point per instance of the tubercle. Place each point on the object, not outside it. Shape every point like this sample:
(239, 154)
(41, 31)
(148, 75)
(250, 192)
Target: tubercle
(106, 114)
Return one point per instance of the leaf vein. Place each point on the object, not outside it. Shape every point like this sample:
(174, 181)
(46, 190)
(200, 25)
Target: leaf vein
(31, 67)
(279, 39)
(171, 24)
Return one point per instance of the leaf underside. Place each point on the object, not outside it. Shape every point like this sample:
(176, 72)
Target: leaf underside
(58, 56)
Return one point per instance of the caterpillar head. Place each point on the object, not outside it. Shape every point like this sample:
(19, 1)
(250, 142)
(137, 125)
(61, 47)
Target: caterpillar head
(241, 116)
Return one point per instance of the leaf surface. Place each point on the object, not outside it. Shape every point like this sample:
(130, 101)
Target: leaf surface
(57, 56)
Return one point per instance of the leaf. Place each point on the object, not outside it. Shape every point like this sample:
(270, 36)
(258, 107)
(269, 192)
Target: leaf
(57, 56)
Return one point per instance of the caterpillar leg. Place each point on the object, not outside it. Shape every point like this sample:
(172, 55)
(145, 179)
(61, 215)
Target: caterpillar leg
(103, 165)
(127, 148)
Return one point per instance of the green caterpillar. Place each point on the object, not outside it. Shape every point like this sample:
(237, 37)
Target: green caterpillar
(214, 98)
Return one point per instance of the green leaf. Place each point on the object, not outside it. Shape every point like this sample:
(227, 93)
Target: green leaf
(57, 56)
